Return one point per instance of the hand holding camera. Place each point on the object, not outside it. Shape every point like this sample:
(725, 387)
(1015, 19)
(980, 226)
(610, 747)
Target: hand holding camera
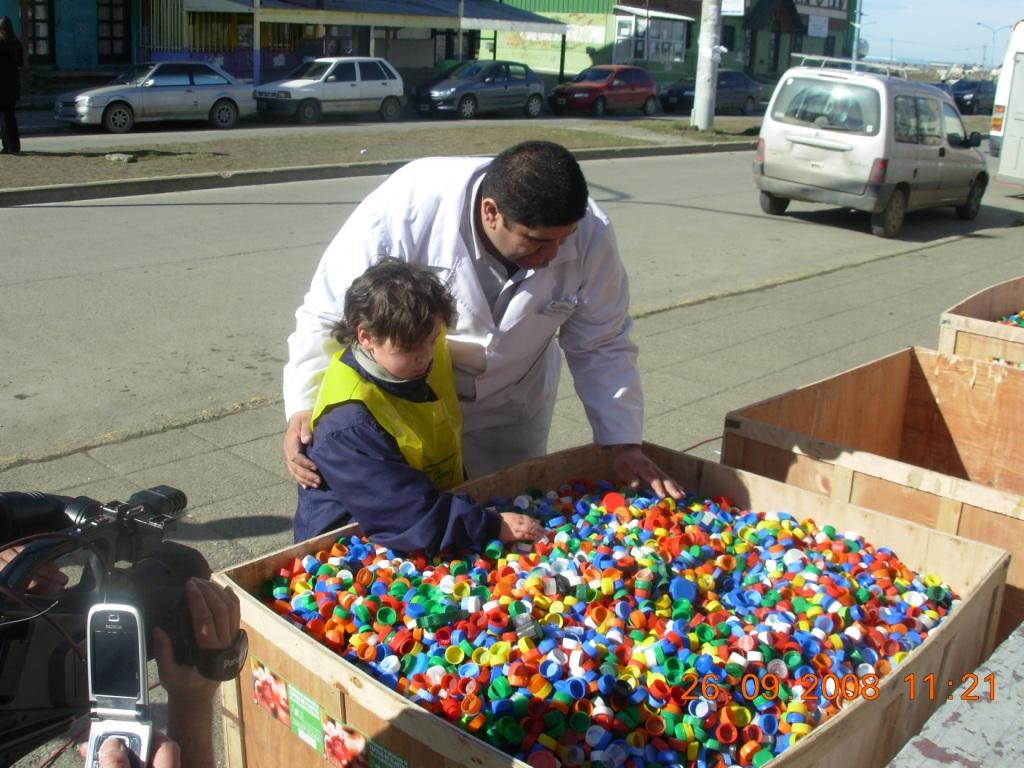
(164, 596)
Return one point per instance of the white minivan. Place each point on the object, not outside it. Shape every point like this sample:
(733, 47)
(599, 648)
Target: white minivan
(866, 141)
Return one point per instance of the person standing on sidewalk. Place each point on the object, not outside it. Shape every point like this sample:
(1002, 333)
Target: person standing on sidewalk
(11, 62)
(533, 265)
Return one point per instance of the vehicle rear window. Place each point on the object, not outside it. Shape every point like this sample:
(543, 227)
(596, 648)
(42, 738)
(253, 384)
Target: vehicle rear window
(834, 106)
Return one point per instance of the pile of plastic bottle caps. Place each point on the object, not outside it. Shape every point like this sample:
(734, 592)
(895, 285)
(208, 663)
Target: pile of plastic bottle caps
(638, 632)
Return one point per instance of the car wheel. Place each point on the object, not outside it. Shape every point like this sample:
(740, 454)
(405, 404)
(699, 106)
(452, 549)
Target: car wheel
(599, 107)
(467, 108)
(533, 106)
(390, 109)
(224, 114)
(775, 206)
(558, 110)
(118, 118)
(668, 109)
(748, 106)
(890, 220)
(969, 210)
(309, 111)
(650, 106)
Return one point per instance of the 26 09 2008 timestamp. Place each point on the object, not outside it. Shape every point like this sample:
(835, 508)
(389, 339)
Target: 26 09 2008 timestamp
(930, 687)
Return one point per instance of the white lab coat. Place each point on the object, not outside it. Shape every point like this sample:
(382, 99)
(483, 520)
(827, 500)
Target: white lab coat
(507, 372)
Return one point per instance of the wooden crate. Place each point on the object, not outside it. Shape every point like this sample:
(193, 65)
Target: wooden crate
(970, 328)
(864, 733)
(930, 438)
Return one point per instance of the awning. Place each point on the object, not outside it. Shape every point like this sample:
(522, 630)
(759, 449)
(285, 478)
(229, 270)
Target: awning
(218, 6)
(652, 13)
(422, 14)
(765, 12)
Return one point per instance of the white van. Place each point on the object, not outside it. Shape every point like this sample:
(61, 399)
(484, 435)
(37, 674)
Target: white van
(1003, 88)
(869, 142)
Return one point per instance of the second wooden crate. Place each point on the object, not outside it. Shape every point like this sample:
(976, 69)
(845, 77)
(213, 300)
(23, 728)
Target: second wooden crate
(930, 438)
(971, 328)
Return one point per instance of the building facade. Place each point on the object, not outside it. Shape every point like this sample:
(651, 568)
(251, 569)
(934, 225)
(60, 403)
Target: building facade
(760, 36)
(263, 39)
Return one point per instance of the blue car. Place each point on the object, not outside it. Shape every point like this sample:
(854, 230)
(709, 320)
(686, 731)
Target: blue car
(474, 87)
(735, 91)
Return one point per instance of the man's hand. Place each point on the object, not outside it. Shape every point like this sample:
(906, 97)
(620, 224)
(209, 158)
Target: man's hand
(297, 436)
(516, 527)
(47, 580)
(633, 467)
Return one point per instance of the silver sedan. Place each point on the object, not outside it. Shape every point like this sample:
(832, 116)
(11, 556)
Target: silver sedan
(169, 90)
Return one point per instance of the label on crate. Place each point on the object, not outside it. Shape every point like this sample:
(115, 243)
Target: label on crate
(338, 743)
(305, 717)
(383, 758)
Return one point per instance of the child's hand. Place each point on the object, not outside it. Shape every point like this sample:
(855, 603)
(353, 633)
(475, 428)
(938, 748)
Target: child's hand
(516, 527)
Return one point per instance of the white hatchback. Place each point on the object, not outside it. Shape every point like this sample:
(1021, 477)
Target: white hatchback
(869, 142)
(345, 84)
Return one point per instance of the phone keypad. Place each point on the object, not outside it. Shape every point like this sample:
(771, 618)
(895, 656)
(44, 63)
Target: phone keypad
(130, 740)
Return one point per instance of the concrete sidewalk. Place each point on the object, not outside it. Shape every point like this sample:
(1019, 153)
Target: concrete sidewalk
(698, 362)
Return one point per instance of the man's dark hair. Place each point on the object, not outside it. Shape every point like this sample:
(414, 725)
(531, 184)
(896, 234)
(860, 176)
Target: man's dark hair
(537, 184)
(396, 301)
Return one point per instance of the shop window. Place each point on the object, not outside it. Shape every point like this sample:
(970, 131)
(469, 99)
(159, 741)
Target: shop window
(113, 31)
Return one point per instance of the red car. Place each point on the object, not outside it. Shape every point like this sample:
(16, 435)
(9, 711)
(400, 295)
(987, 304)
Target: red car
(606, 87)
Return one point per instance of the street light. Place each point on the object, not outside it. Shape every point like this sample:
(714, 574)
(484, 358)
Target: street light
(993, 31)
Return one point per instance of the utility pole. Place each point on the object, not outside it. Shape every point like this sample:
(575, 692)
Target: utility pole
(856, 35)
(462, 10)
(709, 52)
(256, 44)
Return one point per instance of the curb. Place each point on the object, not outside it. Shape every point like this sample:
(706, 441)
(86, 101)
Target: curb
(59, 193)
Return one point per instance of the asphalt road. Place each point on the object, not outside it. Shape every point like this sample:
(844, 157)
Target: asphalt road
(156, 310)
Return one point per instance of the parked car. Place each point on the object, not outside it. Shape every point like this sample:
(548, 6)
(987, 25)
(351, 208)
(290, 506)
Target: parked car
(604, 88)
(336, 84)
(474, 87)
(168, 90)
(733, 90)
(974, 96)
(868, 142)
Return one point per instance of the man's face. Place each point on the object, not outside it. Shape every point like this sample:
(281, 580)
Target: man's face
(526, 247)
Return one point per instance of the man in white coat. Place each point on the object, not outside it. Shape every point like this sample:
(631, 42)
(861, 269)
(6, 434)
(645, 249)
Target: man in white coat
(529, 258)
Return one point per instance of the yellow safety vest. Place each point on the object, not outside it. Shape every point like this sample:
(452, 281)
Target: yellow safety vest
(429, 435)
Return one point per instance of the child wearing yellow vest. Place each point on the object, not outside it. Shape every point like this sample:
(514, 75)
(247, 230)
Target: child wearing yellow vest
(387, 425)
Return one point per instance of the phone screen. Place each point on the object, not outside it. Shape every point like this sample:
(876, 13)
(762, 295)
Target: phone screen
(115, 664)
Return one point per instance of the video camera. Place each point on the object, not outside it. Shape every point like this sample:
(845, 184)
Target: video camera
(45, 681)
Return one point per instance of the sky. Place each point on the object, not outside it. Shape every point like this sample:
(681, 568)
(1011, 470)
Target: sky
(938, 30)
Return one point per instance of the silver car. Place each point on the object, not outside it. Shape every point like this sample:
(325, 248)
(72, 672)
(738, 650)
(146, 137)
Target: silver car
(168, 90)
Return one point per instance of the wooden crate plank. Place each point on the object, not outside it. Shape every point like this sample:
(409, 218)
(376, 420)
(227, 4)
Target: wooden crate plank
(984, 525)
(970, 328)
(990, 347)
(927, 439)
(993, 302)
(859, 409)
(982, 409)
